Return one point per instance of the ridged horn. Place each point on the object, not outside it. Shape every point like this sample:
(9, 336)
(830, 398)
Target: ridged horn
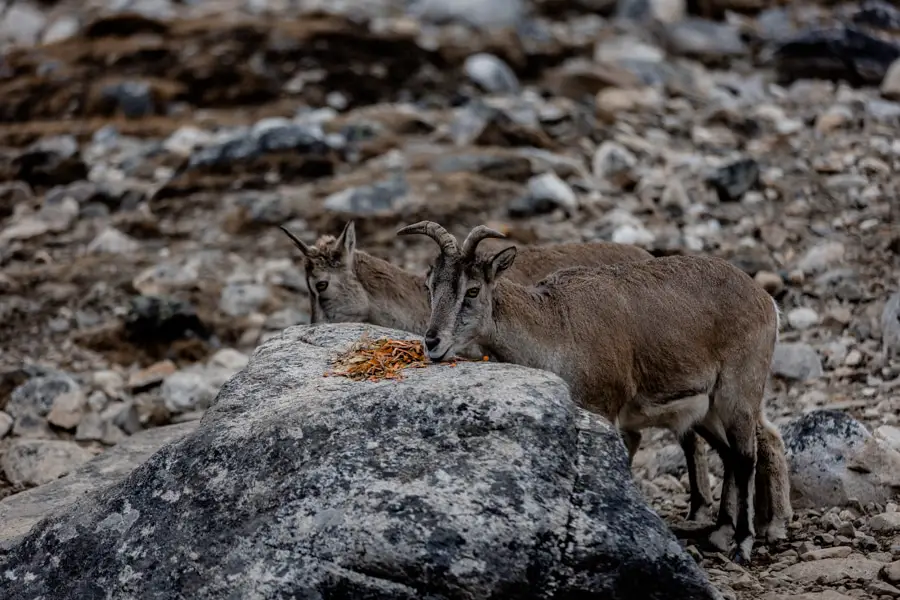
(440, 235)
(475, 237)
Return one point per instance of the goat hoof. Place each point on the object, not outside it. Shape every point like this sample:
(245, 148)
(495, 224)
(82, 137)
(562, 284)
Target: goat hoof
(740, 555)
(738, 558)
(776, 532)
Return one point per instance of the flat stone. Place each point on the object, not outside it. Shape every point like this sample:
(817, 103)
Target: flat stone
(151, 376)
(19, 512)
(891, 572)
(833, 570)
(35, 462)
(67, 409)
(823, 553)
(885, 522)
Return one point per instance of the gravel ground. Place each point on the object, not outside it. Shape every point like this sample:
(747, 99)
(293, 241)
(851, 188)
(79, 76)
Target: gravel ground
(150, 151)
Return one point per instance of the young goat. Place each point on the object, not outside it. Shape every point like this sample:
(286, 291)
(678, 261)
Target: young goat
(681, 342)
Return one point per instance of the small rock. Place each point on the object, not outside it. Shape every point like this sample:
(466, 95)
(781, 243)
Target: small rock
(886, 433)
(491, 73)
(30, 425)
(133, 98)
(37, 395)
(733, 180)
(113, 241)
(820, 257)
(802, 318)
(835, 462)
(94, 427)
(885, 523)
(833, 570)
(22, 23)
(796, 361)
(123, 415)
(497, 14)
(834, 118)
(771, 282)
(242, 298)
(161, 319)
(12, 194)
(891, 572)
(890, 85)
(890, 327)
(612, 101)
(6, 423)
(883, 589)
(186, 139)
(853, 358)
(185, 391)
(36, 462)
(613, 162)
(382, 197)
(109, 382)
(62, 28)
(67, 410)
(150, 377)
(229, 359)
(823, 553)
(839, 52)
(702, 39)
(546, 192)
(97, 401)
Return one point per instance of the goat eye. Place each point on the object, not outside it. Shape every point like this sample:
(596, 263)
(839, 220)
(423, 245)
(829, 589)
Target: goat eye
(321, 285)
(472, 292)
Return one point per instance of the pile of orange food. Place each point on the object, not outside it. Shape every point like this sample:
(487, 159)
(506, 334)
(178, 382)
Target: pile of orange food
(384, 358)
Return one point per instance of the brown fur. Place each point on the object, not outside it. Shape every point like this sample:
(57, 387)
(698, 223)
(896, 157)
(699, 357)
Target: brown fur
(681, 342)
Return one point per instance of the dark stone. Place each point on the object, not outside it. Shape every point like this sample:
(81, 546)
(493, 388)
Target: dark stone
(483, 481)
(878, 13)
(732, 181)
(51, 161)
(36, 395)
(292, 137)
(133, 98)
(159, 319)
(842, 52)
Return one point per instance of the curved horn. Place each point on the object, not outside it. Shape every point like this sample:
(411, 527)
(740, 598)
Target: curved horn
(297, 242)
(474, 238)
(440, 235)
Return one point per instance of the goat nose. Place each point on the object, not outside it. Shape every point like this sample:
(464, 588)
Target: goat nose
(431, 339)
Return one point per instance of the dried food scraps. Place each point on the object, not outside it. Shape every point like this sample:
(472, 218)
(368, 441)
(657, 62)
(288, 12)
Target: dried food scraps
(383, 358)
(374, 360)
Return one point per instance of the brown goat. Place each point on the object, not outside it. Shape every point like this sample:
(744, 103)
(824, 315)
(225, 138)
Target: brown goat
(682, 342)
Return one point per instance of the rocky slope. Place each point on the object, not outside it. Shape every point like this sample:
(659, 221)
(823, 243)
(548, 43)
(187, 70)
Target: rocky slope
(149, 151)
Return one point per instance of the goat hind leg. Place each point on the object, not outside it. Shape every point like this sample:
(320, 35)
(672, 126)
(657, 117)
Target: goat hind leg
(742, 439)
(698, 474)
(723, 534)
(773, 495)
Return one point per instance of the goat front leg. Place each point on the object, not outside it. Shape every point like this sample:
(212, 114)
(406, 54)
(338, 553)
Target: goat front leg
(632, 441)
(698, 474)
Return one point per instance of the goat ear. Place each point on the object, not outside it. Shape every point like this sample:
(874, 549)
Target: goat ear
(347, 239)
(502, 261)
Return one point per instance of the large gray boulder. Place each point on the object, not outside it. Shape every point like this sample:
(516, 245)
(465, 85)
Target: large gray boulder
(834, 460)
(479, 481)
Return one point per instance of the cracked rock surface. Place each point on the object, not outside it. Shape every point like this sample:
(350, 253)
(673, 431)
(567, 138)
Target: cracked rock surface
(478, 481)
